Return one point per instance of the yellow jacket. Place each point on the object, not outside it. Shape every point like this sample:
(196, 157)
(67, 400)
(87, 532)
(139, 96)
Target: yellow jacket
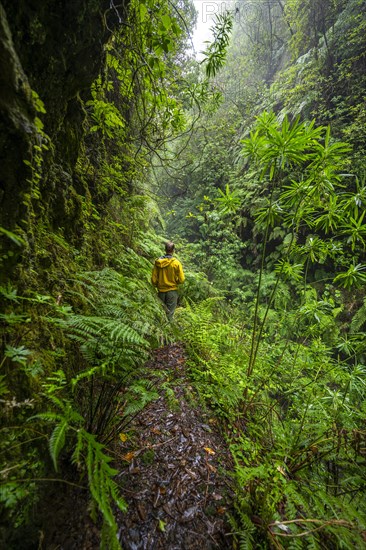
(167, 274)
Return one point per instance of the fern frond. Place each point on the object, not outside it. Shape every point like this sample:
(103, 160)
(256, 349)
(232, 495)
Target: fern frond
(48, 416)
(3, 387)
(102, 487)
(359, 319)
(57, 441)
(109, 537)
(76, 455)
(295, 544)
(122, 334)
(88, 373)
(138, 396)
(246, 537)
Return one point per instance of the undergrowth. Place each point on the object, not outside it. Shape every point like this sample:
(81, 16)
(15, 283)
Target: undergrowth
(295, 430)
(78, 392)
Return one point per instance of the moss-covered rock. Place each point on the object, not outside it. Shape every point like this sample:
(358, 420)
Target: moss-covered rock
(49, 57)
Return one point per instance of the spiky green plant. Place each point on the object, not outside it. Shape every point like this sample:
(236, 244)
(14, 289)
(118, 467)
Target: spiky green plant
(299, 464)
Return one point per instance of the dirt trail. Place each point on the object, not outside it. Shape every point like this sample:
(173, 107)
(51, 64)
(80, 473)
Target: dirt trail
(173, 472)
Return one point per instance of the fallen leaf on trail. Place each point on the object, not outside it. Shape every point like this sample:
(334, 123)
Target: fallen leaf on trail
(212, 468)
(221, 510)
(156, 431)
(185, 432)
(123, 437)
(209, 450)
(206, 428)
(129, 456)
(162, 525)
(189, 513)
(141, 510)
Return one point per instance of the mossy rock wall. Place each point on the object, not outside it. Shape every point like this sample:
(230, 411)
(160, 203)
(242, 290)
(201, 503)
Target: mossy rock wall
(55, 49)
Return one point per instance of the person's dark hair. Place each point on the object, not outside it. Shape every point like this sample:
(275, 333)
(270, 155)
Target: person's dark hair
(169, 247)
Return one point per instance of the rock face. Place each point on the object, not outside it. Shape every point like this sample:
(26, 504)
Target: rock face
(55, 49)
(17, 130)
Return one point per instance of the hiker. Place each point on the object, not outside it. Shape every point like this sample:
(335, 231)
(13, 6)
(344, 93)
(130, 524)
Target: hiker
(167, 274)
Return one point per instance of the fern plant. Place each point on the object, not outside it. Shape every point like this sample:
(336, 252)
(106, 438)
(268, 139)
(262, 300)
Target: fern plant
(89, 393)
(87, 453)
(298, 467)
(115, 337)
(217, 355)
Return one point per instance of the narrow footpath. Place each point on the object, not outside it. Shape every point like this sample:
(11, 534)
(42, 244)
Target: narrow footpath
(173, 466)
(173, 471)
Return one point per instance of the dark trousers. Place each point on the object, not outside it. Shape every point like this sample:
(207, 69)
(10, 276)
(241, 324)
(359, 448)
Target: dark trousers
(170, 300)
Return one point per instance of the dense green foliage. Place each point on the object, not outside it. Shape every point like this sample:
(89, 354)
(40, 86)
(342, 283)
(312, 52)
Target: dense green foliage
(79, 316)
(75, 385)
(286, 376)
(270, 196)
(253, 162)
(296, 431)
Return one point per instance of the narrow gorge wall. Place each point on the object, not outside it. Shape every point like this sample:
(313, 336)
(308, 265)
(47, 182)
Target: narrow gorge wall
(56, 52)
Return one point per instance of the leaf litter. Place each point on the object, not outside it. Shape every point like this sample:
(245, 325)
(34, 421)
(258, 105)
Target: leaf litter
(175, 479)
